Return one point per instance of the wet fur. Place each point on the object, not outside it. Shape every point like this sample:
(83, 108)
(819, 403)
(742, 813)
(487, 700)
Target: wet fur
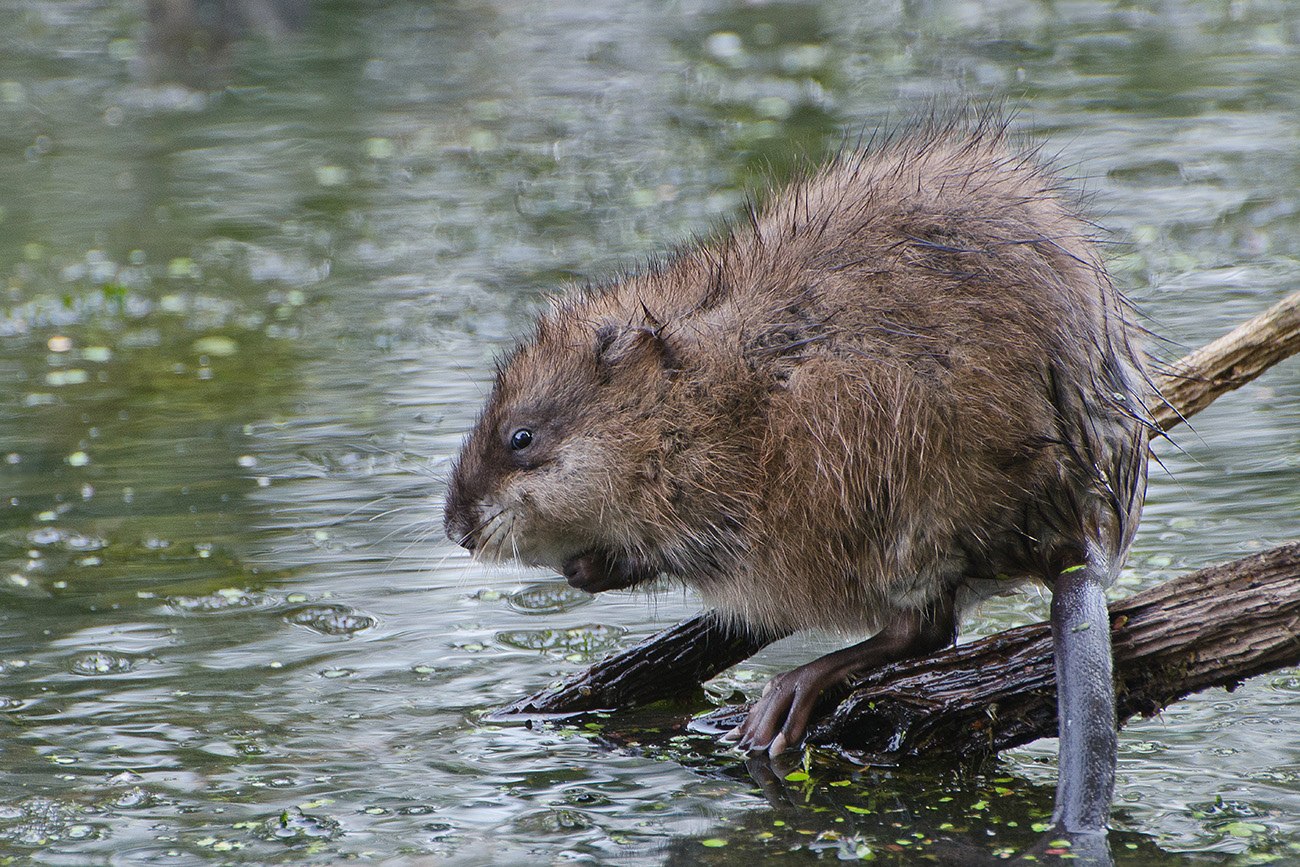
(905, 376)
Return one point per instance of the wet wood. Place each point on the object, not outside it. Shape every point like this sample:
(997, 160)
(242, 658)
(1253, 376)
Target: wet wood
(1215, 627)
(677, 660)
(667, 664)
(1193, 382)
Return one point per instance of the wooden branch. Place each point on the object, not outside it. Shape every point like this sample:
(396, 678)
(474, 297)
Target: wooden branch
(677, 660)
(667, 664)
(1214, 627)
(1193, 382)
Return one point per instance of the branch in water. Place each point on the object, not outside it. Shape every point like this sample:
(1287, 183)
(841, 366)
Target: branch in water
(1193, 382)
(665, 665)
(1215, 627)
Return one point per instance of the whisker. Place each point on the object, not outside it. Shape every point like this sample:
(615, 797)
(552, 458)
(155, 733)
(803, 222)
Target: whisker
(392, 511)
(401, 529)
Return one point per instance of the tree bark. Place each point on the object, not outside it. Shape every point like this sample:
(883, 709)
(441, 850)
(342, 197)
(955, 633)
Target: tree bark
(1215, 627)
(1193, 382)
(1011, 709)
(667, 664)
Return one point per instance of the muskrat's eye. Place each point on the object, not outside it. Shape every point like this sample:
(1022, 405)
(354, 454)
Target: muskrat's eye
(521, 439)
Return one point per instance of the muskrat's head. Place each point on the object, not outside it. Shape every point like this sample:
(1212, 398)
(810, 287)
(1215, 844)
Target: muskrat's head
(563, 459)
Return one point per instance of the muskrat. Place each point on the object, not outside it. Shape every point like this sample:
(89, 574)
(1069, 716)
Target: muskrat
(902, 384)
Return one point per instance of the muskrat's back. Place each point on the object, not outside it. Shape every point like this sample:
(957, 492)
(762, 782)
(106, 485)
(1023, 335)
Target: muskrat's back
(906, 374)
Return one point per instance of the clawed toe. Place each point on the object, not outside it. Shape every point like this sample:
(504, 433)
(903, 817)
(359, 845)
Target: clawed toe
(777, 720)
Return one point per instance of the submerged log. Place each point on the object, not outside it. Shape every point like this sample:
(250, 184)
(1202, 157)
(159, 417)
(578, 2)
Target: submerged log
(677, 660)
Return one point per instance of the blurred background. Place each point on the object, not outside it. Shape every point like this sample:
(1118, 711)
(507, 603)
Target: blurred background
(256, 258)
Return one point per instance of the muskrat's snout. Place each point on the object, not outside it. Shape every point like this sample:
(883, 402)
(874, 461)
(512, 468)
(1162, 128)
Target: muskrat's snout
(455, 529)
(459, 527)
(457, 515)
(465, 540)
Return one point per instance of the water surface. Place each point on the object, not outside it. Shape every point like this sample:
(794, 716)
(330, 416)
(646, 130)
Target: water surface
(253, 284)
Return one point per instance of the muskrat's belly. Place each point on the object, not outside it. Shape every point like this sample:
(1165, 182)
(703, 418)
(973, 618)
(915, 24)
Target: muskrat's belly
(838, 599)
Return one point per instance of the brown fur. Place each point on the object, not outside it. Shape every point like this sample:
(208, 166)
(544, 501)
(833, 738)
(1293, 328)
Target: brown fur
(907, 375)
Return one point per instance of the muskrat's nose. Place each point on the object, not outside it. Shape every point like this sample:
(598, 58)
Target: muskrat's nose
(462, 533)
(459, 531)
(457, 523)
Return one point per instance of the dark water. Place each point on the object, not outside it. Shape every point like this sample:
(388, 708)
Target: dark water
(253, 279)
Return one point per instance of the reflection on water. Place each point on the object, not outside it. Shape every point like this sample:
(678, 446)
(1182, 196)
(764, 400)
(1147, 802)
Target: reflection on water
(249, 310)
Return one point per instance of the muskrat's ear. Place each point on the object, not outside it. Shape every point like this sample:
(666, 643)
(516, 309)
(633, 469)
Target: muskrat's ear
(632, 347)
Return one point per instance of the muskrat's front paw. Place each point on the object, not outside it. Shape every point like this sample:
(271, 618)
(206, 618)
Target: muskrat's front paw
(596, 571)
(583, 573)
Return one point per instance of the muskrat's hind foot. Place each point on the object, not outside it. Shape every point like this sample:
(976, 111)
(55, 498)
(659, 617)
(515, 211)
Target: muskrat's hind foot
(780, 717)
